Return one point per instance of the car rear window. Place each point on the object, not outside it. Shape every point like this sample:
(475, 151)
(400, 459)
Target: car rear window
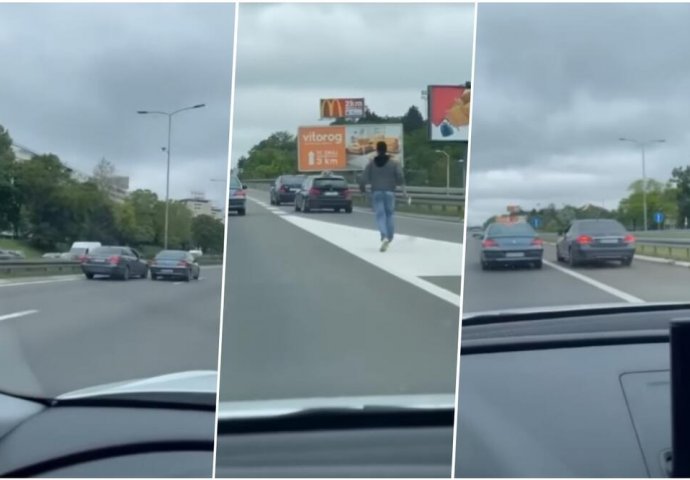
(330, 183)
(601, 227)
(171, 254)
(508, 229)
(235, 183)
(107, 251)
(292, 180)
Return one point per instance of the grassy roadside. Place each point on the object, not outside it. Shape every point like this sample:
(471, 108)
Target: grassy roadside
(11, 244)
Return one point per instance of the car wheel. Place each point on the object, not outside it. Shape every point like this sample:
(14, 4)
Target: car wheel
(306, 207)
(572, 261)
(297, 209)
(485, 266)
(153, 277)
(336, 210)
(348, 209)
(277, 202)
(125, 274)
(627, 261)
(538, 264)
(559, 257)
(188, 277)
(89, 276)
(241, 212)
(198, 274)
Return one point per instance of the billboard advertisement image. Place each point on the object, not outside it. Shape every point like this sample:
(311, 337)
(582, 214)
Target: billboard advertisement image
(346, 147)
(351, 108)
(449, 113)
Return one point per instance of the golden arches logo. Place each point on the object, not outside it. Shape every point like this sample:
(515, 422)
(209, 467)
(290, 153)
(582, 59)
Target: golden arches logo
(332, 108)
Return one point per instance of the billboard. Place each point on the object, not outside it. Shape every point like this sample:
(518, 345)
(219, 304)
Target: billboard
(342, 108)
(449, 113)
(345, 147)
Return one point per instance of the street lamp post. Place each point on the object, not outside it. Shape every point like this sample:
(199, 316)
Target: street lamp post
(167, 175)
(642, 145)
(447, 170)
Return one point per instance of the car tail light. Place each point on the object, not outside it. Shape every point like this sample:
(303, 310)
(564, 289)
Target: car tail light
(629, 239)
(584, 240)
(83, 258)
(346, 193)
(538, 241)
(489, 243)
(114, 260)
(182, 263)
(240, 193)
(284, 188)
(314, 192)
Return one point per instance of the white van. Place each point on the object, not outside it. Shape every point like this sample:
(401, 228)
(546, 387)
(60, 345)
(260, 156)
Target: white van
(80, 249)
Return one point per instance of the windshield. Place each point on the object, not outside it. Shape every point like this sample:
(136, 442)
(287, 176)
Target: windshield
(507, 230)
(235, 183)
(83, 148)
(600, 227)
(172, 255)
(320, 303)
(293, 181)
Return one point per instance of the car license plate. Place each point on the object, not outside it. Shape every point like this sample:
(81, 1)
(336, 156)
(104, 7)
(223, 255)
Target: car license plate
(515, 254)
(608, 241)
(294, 189)
(166, 271)
(331, 194)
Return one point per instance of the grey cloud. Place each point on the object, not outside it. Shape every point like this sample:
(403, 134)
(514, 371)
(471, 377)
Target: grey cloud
(290, 55)
(74, 76)
(556, 86)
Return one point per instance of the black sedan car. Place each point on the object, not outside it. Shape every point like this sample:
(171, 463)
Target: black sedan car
(238, 196)
(595, 240)
(114, 262)
(506, 244)
(325, 191)
(175, 264)
(285, 187)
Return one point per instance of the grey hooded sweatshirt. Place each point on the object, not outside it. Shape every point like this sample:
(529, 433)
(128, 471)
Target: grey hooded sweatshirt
(383, 174)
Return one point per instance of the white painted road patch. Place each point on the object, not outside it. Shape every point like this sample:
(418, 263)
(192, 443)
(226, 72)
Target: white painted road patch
(408, 258)
(24, 282)
(10, 316)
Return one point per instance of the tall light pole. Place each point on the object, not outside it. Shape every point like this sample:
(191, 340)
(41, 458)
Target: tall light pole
(167, 175)
(447, 170)
(642, 145)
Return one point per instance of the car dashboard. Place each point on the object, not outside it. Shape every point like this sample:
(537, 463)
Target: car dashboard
(583, 395)
(104, 439)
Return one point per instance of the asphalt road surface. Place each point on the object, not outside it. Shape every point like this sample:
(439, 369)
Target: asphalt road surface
(557, 284)
(64, 333)
(313, 309)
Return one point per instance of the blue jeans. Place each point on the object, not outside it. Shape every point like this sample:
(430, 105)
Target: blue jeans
(384, 207)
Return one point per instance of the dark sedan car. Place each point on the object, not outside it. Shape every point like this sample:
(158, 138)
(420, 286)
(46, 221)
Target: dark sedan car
(596, 240)
(175, 264)
(238, 196)
(324, 192)
(507, 244)
(114, 262)
(285, 187)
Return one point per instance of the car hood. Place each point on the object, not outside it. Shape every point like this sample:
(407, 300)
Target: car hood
(229, 410)
(192, 382)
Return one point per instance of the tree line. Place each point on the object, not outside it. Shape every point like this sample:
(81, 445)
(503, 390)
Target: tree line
(671, 198)
(44, 203)
(277, 154)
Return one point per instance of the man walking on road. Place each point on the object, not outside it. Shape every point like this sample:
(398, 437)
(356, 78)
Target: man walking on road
(384, 175)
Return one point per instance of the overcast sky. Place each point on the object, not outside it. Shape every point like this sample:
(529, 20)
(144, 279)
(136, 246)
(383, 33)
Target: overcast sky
(72, 77)
(556, 86)
(291, 55)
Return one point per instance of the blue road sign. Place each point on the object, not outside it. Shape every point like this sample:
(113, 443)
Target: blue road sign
(659, 217)
(536, 222)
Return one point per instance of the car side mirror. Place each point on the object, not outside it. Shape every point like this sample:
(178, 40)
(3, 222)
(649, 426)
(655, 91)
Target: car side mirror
(244, 186)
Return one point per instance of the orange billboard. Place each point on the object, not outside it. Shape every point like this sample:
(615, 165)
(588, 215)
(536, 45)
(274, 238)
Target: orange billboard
(342, 107)
(321, 148)
(346, 147)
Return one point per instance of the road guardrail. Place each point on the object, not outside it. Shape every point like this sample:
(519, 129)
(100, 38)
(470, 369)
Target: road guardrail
(20, 268)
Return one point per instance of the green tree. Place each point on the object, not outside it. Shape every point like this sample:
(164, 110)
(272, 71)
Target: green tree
(413, 120)
(179, 225)
(680, 178)
(208, 234)
(144, 207)
(9, 196)
(660, 198)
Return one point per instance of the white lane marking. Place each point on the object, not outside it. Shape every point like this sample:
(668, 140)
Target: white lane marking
(601, 286)
(408, 258)
(12, 283)
(17, 314)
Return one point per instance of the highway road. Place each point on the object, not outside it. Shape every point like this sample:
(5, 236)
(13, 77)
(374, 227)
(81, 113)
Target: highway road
(73, 333)
(313, 309)
(557, 284)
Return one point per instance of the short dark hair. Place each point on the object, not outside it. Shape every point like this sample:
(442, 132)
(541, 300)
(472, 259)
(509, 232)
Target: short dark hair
(381, 147)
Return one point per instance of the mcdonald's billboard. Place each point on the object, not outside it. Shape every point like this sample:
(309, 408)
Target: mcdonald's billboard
(449, 112)
(342, 107)
(345, 147)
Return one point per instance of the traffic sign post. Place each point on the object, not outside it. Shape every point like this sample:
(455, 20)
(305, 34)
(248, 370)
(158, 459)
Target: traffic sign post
(659, 218)
(536, 222)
